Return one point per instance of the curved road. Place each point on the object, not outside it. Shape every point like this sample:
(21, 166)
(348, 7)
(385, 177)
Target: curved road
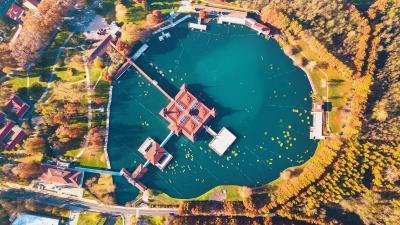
(74, 204)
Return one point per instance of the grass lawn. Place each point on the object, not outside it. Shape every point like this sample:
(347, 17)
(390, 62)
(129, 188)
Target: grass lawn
(105, 9)
(154, 220)
(93, 160)
(137, 13)
(339, 86)
(232, 192)
(91, 218)
(31, 158)
(119, 221)
(89, 159)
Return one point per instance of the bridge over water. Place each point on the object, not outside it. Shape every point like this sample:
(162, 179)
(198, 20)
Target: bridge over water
(98, 171)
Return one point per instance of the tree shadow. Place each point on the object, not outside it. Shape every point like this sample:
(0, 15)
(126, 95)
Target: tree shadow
(345, 217)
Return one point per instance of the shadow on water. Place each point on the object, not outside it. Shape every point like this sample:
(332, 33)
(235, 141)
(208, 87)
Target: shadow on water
(342, 216)
(119, 140)
(199, 90)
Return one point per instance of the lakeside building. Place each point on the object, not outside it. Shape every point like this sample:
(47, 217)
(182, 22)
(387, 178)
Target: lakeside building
(232, 17)
(50, 174)
(186, 114)
(10, 134)
(221, 141)
(15, 12)
(155, 154)
(31, 219)
(99, 48)
(17, 106)
(316, 130)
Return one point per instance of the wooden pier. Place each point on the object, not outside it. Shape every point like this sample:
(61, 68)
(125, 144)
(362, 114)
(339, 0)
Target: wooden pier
(144, 74)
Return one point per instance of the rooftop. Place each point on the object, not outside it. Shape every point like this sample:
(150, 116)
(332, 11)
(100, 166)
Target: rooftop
(139, 172)
(186, 114)
(222, 141)
(17, 106)
(154, 153)
(56, 175)
(316, 131)
(15, 12)
(30, 219)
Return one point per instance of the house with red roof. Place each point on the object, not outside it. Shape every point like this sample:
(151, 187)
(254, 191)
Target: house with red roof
(10, 134)
(17, 106)
(51, 174)
(15, 12)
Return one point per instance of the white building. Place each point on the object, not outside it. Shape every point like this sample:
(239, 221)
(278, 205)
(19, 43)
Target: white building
(318, 113)
(31, 4)
(30, 219)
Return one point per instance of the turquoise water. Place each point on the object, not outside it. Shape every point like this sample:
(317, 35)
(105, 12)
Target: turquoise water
(257, 92)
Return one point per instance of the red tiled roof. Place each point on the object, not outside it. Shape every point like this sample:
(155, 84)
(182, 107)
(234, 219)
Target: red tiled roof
(186, 114)
(5, 129)
(52, 174)
(139, 172)
(18, 105)
(15, 12)
(155, 153)
(12, 138)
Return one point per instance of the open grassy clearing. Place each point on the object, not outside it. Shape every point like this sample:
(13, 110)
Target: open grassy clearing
(91, 218)
(324, 77)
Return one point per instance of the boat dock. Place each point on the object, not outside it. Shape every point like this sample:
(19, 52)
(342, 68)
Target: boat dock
(198, 26)
(173, 24)
(144, 74)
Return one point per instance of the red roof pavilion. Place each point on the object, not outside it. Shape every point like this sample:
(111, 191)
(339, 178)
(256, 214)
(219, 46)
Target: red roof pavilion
(53, 175)
(186, 114)
(15, 12)
(155, 153)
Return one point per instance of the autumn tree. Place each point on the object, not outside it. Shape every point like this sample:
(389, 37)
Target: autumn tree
(124, 47)
(26, 170)
(131, 33)
(35, 145)
(37, 29)
(154, 18)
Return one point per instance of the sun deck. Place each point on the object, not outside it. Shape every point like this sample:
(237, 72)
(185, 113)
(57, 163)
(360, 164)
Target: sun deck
(198, 26)
(222, 141)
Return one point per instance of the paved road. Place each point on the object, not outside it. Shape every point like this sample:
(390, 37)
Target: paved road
(81, 205)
